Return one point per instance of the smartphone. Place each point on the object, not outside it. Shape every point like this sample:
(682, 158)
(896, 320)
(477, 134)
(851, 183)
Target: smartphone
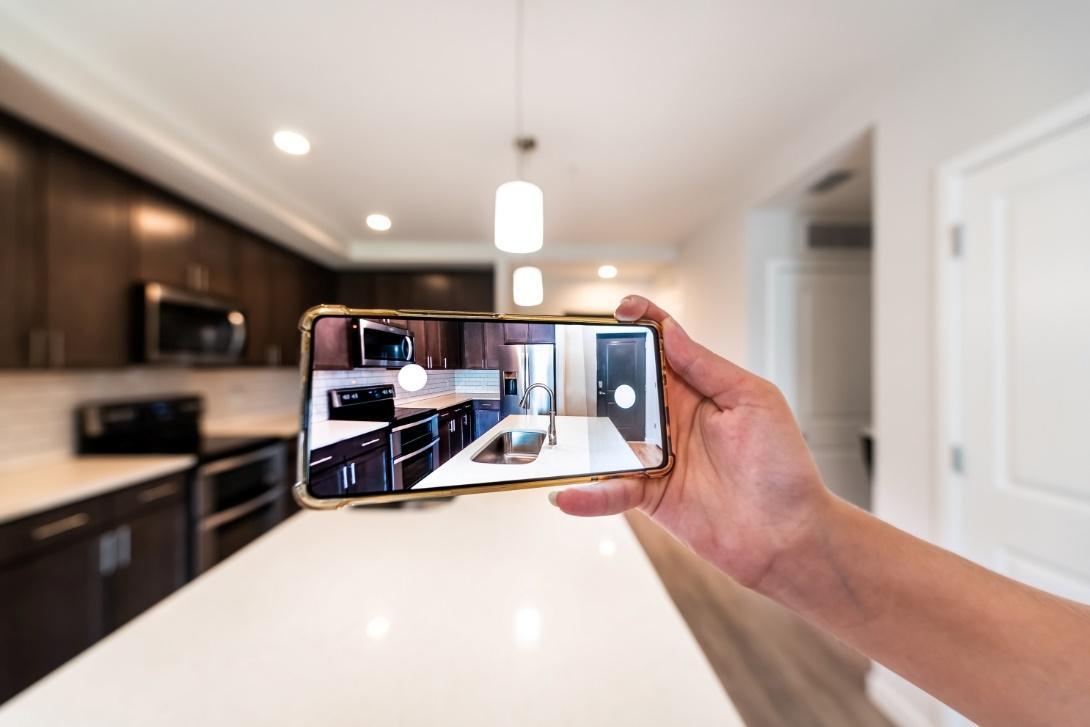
(406, 404)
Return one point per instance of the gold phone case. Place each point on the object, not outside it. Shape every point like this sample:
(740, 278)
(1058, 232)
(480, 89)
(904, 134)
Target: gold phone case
(306, 327)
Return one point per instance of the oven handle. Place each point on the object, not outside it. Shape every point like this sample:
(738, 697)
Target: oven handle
(415, 424)
(220, 518)
(404, 457)
(273, 451)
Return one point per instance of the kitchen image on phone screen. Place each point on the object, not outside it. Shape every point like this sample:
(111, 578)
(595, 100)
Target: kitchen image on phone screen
(419, 404)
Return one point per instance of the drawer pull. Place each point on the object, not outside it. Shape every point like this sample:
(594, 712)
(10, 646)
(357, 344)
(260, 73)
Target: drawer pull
(157, 493)
(55, 528)
(319, 461)
(371, 441)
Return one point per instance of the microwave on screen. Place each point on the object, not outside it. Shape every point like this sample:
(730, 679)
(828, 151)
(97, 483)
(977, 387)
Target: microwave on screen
(379, 345)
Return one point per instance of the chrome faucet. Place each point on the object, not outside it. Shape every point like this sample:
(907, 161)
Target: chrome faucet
(552, 407)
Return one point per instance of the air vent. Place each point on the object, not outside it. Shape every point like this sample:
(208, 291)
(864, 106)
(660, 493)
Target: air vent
(829, 236)
(830, 181)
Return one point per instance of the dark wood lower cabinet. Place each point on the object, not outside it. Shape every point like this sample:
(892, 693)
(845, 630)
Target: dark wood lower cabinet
(70, 576)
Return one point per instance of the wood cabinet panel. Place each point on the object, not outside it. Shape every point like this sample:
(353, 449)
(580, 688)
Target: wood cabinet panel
(331, 347)
(255, 295)
(542, 333)
(87, 261)
(493, 339)
(473, 345)
(216, 255)
(516, 333)
(22, 273)
(164, 239)
(152, 561)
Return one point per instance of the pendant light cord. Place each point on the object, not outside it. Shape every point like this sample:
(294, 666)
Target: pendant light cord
(520, 10)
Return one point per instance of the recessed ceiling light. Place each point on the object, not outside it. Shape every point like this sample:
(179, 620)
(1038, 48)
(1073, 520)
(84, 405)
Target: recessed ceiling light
(607, 272)
(291, 142)
(378, 223)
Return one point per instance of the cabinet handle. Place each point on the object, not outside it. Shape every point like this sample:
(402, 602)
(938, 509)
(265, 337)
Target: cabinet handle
(107, 553)
(55, 528)
(157, 493)
(352, 468)
(124, 546)
(319, 461)
(444, 362)
(371, 441)
(56, 348)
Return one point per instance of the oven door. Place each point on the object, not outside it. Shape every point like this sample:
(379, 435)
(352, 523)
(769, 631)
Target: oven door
(415, 465)
(229, 531)
(382, 345)
(410, 437)
(177, 326)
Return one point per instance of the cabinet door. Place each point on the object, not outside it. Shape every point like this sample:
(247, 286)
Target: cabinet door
(87, 261)
(466, 421)
(473, 345)
(22, 283)
(255, 295)
(493, 339)
(151, 561)
(288, 305)
(516, 333)
(164, 240)
(330, 342)
(216, 256)
(419, 329)
(446, 419)
(542, 333)
(51, 611)
(433, 344)
(485, 419)
(451, 344)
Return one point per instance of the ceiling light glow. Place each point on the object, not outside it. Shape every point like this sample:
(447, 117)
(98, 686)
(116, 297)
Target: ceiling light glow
(291, 142)
(607, 271)
(519, 217)
(527, 286)
(378, 223)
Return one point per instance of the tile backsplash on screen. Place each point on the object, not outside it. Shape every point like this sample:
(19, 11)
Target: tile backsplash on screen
(37, 407)
(439, 383)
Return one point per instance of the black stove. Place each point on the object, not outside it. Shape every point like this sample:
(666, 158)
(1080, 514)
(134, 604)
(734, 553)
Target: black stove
(373, 404)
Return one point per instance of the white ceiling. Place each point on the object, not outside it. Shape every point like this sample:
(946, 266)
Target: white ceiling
(643, 109)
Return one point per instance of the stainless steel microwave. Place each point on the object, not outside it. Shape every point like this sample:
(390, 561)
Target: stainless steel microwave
(379, 345)
(177, 326)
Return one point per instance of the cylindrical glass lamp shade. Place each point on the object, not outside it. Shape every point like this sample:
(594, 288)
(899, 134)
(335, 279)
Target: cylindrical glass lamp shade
(519, 217)
(527, 286)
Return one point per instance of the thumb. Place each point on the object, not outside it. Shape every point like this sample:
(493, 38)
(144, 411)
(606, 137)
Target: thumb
(600, 498)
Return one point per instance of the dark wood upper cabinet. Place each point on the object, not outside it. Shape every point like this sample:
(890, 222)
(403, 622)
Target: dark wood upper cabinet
(254, 293)
(22, 283)
(516, 332)
(542, 333)
(164, 234)
(330, 342)
(455, 290)
(473, 344)
(493, 339)
(87, 261)
(216, 257)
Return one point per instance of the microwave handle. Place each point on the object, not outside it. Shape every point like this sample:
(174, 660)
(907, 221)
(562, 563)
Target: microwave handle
(409, 343)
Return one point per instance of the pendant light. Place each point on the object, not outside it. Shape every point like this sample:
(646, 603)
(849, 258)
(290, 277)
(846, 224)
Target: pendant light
(527, 287)
(519, 204)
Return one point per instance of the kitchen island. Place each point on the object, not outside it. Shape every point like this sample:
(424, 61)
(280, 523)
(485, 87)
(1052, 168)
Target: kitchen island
(583, 445)
(488, 610)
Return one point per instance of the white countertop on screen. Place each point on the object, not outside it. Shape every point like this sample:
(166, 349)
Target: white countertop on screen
(583, 445)
(488, 610)
(445, 401)
(43, 486)
(331, 431)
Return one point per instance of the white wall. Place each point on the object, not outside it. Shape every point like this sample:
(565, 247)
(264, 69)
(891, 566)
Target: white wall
(565, 293)
(1015, 63)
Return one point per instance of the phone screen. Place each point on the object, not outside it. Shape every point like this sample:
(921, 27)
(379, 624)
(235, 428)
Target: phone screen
(414, 404)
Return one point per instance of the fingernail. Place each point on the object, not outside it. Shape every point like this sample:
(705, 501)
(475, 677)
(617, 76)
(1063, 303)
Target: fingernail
(552, 498)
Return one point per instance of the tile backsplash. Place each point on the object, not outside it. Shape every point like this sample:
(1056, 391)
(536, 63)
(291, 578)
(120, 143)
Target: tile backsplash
(36, 420)
(439, 383)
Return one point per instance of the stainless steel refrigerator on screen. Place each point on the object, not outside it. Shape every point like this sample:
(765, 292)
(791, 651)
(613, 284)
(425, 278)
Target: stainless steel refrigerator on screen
(521, 366)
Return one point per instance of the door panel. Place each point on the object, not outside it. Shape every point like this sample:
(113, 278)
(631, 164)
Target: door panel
(1026, 355)
(164, 239)
(21, 271)
(154, 562)
(820, 353)
(622, 362)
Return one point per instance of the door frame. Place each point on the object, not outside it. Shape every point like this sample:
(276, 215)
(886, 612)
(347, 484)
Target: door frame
(948, 396)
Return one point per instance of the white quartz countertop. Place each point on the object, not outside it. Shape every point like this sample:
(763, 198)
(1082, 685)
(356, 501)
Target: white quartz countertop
(445, 401)
(322, 434)
(584, 445)
(33, 489)
(488, 610)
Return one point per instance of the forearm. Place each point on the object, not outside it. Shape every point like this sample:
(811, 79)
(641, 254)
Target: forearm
(995, 650)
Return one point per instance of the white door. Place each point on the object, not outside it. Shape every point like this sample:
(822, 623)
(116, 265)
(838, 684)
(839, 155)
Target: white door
(819, 314)
(1025, 377)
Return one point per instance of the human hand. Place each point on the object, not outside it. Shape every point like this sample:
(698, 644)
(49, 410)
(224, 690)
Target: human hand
(744, 489)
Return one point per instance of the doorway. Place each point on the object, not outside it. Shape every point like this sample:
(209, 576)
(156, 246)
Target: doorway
(809, 269)
(622, 363)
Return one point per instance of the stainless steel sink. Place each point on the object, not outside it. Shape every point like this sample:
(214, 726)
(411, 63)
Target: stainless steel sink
(516, 446)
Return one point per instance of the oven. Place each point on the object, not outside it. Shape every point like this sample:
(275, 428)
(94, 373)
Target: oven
(235, 500)
(377, 344)
(414, 451)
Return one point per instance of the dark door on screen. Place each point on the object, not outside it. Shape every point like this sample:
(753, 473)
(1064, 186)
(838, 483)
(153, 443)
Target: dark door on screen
(622, 360)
